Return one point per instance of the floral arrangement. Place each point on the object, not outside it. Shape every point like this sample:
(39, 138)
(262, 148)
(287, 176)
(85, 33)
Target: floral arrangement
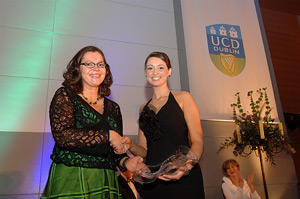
(254, 132)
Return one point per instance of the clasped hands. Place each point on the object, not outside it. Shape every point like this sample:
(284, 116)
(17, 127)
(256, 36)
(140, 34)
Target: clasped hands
(134, 164)
(120, 144)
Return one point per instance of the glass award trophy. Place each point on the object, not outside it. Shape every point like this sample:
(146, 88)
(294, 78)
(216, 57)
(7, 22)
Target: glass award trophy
(183, 155)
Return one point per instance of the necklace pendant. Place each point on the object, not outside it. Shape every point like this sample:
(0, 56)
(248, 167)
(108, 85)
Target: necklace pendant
(91, 103)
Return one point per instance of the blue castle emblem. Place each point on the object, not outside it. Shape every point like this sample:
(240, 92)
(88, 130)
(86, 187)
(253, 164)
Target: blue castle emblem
(226, 48)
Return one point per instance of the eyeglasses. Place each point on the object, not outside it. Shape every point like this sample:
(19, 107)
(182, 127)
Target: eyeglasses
(92, 65)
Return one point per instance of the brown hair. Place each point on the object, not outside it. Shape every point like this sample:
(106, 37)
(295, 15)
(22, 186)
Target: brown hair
(226, 164)
(72, 75)
(160, 55)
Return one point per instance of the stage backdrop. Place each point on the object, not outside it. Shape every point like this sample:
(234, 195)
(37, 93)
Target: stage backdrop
(225, 55)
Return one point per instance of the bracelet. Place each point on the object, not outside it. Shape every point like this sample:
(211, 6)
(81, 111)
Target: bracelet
(188, 172)
(122, 166)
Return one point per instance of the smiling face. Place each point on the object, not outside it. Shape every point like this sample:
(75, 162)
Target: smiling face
(92, 77)
(232, 169)
(157, 72)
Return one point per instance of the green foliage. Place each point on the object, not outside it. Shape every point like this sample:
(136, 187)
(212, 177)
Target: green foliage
(250, 138)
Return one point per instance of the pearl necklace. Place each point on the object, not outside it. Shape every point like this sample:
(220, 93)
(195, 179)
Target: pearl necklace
(92, 103)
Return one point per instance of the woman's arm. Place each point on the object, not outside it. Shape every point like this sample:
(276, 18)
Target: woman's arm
(139, 149)
(250, 179)
(116, 124)
(192, 117)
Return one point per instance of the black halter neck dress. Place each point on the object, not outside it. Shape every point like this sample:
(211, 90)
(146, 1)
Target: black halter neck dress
(165, 132)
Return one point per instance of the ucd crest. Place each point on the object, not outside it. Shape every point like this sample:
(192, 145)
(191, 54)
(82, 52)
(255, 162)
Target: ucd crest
(226, 48)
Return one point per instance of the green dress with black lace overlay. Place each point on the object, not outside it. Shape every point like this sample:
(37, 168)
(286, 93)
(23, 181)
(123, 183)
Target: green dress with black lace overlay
(83, 162)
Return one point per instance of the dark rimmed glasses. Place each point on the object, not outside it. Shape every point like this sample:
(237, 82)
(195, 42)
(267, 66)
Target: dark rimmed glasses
(92, 65)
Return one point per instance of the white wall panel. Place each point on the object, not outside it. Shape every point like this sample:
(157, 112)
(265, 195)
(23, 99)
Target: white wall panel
(218, 128)
(20, 162)
(130, 99)
(29, 14)
(213, 193)
(283, 191)
(125, 59)
(165, 5)
(24, 53)
(115, 21)
(23, 104)
(284, 162)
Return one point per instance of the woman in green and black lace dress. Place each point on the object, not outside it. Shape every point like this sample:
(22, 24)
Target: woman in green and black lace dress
(85, 125)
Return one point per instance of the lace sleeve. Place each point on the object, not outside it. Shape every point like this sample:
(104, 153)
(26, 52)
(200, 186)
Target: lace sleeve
(65, 133)
(115, 117)
(116, 123)
(119, 123)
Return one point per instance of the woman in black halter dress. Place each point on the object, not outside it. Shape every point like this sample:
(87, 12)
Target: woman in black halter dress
(168, 120)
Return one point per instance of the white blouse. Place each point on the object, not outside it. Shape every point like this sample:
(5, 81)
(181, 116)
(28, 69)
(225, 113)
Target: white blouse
(233, 192)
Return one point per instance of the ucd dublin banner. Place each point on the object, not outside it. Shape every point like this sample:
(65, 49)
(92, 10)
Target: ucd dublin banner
(225, 54)
(226, 48)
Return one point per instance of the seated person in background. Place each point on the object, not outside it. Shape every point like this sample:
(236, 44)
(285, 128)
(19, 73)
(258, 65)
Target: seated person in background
(234, 186)
(128, 188)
